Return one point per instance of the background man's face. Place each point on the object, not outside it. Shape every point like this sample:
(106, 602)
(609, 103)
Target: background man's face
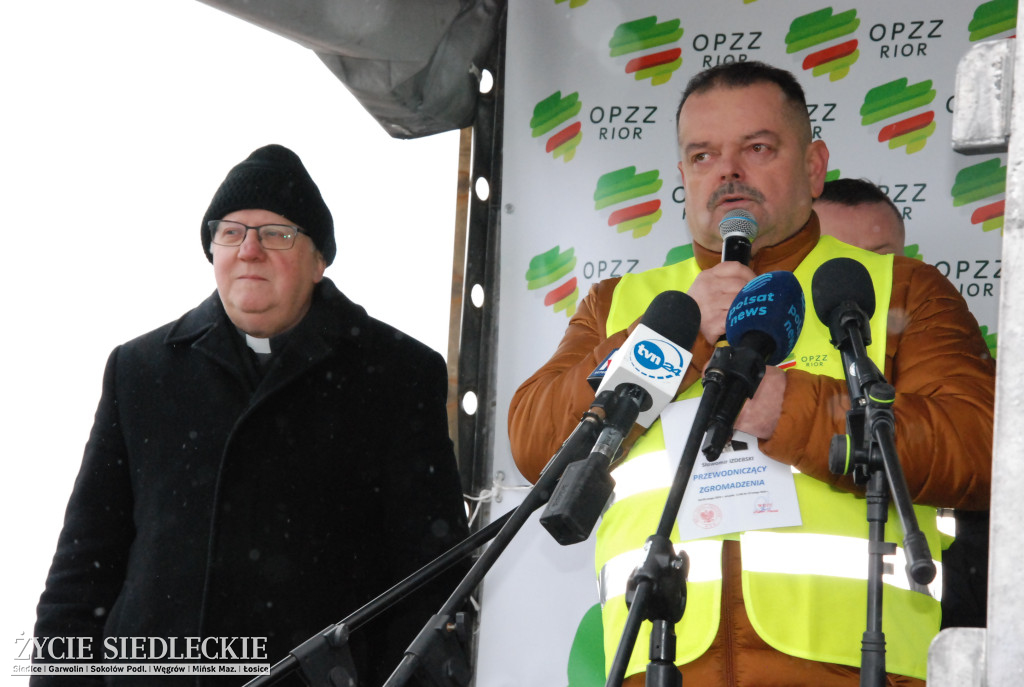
(266, 292)
(872, 226)
(742, 148)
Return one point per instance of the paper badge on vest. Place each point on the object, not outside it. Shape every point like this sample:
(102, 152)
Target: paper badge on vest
(743, 490)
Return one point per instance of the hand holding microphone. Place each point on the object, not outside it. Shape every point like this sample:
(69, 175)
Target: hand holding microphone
(714, 289)
(738, 229)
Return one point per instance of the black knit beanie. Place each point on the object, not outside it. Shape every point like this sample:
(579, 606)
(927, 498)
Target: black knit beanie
(273, 178)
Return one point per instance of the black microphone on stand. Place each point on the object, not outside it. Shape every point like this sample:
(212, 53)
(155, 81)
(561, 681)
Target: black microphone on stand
(762, 326)
(644, 374)
(738, 229)
(844, 301)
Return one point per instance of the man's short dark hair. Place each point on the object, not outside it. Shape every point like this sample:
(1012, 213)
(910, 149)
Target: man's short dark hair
(747, 73)
(854, 192)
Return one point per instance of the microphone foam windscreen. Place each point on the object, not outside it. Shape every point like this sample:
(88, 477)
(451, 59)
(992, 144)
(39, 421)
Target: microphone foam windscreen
(841, 280)
(771, 304)
(674, 315)
(738, 222)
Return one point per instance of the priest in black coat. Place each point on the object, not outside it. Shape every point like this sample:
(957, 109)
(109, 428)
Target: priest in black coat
(264, 465)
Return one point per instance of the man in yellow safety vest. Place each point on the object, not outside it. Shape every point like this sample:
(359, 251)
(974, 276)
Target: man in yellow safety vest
(778, 606)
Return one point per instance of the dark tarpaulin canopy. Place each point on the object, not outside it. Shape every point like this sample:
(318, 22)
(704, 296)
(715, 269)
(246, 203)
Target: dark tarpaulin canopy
(413, 64)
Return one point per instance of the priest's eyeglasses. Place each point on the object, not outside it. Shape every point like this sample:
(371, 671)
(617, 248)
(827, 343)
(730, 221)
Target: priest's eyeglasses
(271, 236)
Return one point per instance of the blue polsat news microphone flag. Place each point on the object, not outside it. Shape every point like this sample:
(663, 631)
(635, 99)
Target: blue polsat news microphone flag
(761, 326)
(767, 315)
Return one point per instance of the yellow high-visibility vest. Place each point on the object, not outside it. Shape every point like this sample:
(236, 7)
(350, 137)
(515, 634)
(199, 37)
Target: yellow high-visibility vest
(804, 587)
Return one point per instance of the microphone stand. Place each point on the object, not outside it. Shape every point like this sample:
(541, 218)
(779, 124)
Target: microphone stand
(324, 658)
(586, 485)
(428, 651)
(656, 590)
(868, 450)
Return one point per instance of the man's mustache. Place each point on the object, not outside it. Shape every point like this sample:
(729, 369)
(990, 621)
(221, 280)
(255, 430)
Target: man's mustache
(734, 188)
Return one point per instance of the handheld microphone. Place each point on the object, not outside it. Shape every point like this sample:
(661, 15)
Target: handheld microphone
(762, 327)
(644, 375)
(738, 229)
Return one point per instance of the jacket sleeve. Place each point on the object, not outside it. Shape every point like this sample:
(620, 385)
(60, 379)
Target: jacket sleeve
(88, 567)
(944, 378)
(547, 406)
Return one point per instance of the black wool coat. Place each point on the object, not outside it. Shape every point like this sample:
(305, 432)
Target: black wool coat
(215, 502)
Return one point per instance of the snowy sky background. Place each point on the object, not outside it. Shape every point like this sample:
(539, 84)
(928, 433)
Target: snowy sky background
(120, 119)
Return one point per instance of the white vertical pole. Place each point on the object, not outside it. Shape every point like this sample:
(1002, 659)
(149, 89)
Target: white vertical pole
(1005, 634)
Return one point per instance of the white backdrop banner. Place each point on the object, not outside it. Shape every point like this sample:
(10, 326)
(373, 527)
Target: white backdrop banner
(590, 190)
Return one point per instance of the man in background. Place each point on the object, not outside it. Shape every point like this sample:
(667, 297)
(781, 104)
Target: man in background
(859, 213)
(264, 465)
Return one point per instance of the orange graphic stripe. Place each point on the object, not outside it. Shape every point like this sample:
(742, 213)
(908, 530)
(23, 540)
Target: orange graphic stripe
(634, 211)
(561, 292)
(653, 60)
(562, 136)
(906, 126)
(829, 54)
(987, 212)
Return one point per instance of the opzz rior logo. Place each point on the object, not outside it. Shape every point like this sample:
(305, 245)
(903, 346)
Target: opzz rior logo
(636, 208)
(894, 101)
(991, 18)
(554, 269)
(981, 183)
(645, 42)
(825, 35)
(558, 114)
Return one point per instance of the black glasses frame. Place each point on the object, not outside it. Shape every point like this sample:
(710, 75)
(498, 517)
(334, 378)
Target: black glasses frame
(213, 224)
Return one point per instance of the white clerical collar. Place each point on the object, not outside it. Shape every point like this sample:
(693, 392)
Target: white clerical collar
(258, 345)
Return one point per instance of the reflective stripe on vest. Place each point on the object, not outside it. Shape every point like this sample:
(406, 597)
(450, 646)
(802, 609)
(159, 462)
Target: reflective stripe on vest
(846, 549)
(703, 555)
(834, 556)
(837, 555)
(795, 602)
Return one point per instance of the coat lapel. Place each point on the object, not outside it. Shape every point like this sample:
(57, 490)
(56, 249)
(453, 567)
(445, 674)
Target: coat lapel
(333, 322)
(208, 331)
